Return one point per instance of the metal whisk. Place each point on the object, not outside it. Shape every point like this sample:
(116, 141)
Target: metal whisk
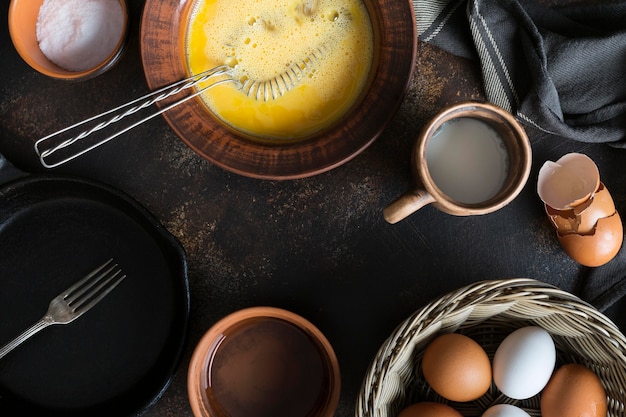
(262, 90)
(45, 149)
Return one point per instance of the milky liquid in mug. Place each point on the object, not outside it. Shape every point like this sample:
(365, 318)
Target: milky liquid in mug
(468, 160)
(267, 367)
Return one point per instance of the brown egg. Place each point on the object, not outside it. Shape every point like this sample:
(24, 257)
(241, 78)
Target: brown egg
(574, 391)
(429, 409)
(597, 248)
(456, 367)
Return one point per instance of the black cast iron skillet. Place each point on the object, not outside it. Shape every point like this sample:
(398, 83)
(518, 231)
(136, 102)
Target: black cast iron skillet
(119, 357)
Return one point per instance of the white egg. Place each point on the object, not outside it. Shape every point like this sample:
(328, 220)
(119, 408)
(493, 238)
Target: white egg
(505, 410)
(524, 362)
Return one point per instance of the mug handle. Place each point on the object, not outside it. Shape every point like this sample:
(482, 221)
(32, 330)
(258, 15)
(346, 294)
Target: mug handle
(407, 204)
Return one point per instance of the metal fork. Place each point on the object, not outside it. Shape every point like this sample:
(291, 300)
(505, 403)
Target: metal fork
(73, 302)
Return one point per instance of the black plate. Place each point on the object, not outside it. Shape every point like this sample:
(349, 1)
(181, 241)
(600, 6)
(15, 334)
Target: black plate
(120, 356)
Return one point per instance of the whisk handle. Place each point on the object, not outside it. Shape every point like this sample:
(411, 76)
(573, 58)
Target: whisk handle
(47, 146)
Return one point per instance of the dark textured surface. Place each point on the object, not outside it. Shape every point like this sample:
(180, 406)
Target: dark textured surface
(317, 246)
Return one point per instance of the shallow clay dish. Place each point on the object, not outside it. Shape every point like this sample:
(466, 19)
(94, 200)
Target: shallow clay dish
(264, 361)
(163, 27)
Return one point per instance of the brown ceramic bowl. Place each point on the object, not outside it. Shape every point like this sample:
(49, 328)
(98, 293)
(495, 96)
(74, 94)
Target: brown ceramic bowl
(162, 30)
(263, 361)
(23, 30)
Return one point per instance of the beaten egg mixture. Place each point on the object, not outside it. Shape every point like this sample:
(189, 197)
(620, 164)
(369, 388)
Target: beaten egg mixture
(316, 55)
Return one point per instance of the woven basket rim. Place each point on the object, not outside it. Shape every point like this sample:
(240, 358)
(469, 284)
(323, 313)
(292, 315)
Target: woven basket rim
(458, 308)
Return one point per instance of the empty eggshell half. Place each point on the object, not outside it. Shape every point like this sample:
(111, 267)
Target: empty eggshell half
(568, 182)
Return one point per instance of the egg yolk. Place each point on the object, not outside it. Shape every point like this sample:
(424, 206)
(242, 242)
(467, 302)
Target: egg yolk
(298, 65)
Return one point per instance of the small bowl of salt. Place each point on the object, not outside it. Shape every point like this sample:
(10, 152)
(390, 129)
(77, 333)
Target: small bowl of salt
(69, 39)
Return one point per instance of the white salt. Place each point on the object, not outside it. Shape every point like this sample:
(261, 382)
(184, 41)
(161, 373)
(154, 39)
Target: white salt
(78, 35)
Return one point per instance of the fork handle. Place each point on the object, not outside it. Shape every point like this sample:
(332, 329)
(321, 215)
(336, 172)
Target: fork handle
(41, 324)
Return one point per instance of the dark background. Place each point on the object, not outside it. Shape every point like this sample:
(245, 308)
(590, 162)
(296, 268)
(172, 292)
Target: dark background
(317, 246)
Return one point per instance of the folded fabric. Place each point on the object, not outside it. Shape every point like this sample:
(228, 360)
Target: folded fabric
(603, 286)
(560, 69)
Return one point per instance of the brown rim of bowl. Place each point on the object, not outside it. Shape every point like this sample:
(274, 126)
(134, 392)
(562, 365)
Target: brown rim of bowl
(162, 51)
(22, 19)
(196, 385)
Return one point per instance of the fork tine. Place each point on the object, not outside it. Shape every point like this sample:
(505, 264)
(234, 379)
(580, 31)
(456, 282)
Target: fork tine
(80, 287)
(97, 294)
(92, 283)
(93, 287)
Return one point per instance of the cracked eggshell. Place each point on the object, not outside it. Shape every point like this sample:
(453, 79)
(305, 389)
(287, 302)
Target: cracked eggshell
(583, 218)
(600, 206)
(581, 209)
(568, 182)
(597, 248)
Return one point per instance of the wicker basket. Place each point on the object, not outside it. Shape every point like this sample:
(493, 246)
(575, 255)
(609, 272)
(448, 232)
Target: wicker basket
(488, 311)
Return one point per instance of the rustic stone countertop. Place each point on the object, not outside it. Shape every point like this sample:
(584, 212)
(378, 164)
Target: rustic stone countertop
(318, 246)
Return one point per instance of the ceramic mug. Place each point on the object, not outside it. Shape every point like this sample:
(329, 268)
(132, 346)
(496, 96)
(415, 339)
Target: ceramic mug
(472, 158)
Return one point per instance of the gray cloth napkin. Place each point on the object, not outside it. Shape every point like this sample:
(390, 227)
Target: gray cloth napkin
(603, 286)
(561, 69)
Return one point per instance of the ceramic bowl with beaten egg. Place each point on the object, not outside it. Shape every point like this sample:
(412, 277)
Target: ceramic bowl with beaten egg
(294, 87)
